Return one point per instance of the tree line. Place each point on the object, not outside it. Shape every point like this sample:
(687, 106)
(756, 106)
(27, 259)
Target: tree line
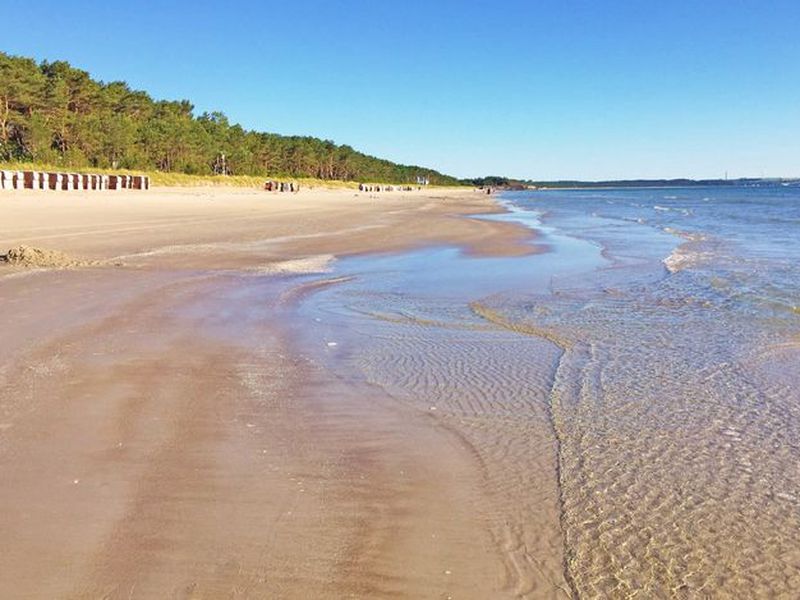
(496, 181)
(56, 114)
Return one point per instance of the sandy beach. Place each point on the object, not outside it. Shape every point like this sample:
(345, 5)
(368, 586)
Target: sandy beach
(295, 305)
(227, 393)
(164, 432)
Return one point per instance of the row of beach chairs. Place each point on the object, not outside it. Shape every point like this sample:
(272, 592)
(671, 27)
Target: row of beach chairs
(281, 186)
(42, 180)
(375, 187)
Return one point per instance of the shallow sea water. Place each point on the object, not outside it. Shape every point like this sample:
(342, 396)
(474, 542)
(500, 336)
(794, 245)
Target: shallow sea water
(632, 397)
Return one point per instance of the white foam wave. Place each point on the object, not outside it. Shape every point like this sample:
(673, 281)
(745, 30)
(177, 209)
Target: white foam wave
(679, 260)
(688, 254)
(320, 263)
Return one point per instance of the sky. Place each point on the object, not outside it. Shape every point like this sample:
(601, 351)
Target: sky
(542, 90)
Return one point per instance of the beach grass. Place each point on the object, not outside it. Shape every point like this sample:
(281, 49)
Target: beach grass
(163, 179)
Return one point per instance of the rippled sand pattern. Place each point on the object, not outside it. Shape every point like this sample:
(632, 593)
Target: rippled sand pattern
(636, 420)
(491, 389)
(677, 418)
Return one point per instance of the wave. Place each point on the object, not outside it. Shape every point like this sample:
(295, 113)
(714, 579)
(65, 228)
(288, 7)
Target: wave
(681, 259)
(686, 212)
(688, 254)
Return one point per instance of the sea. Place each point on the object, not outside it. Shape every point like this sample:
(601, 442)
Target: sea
(630, 391)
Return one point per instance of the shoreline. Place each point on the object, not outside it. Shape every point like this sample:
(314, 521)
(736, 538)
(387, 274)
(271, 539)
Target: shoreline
(193, 443)
(103, 227)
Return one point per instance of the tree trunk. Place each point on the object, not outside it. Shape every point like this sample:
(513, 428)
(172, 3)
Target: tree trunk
(4, 121)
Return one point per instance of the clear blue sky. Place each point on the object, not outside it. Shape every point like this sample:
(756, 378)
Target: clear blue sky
(546, 90)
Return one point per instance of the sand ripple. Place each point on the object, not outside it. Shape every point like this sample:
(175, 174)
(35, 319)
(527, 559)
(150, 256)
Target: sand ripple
(678, 446)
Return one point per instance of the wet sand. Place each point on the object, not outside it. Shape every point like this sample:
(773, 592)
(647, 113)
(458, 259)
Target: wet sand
(164, 431)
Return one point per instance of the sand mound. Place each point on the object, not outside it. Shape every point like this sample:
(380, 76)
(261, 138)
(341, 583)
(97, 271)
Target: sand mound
(27, 256)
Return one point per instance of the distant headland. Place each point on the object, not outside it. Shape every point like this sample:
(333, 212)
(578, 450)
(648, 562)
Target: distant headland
(507, 183)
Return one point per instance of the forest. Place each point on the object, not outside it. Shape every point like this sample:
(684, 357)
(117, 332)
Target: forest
(55, 114)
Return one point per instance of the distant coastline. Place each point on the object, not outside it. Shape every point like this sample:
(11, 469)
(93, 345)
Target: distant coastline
(505, 183)
(667, 183)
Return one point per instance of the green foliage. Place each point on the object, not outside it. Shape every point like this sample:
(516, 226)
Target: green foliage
(496, 181)
(56, 114)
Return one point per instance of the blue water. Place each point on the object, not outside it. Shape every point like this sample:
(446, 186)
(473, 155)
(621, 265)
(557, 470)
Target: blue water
(749, 236)
(677, 400)
(447, 273)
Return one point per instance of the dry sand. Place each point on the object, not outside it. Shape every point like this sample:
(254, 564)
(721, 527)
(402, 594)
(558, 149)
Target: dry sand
(158, 440)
